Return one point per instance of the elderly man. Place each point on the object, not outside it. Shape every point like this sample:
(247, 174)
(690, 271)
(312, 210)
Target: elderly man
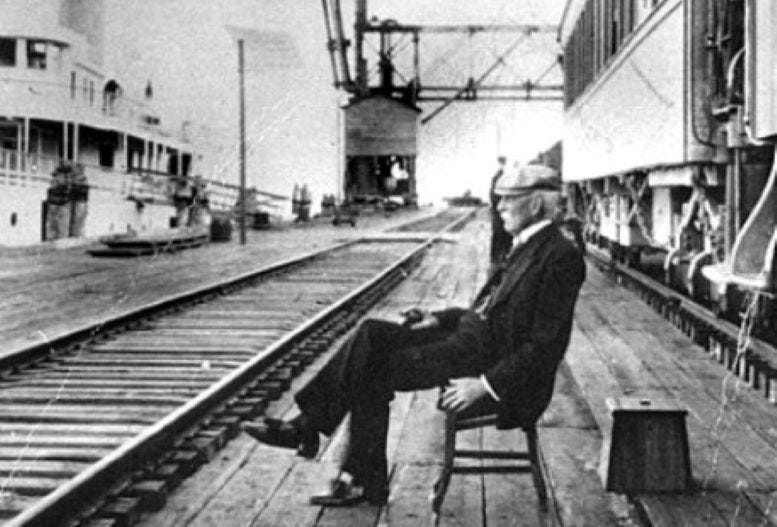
(499, 355)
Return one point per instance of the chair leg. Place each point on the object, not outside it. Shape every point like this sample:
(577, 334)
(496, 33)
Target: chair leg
(536, 469)
(441, 485)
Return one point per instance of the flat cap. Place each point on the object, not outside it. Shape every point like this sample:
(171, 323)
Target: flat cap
(528, 177)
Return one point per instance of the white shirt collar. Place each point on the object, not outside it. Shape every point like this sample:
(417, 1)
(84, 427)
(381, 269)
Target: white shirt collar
(529, 231)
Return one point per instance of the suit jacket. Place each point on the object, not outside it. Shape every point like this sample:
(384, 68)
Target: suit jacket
(528, 323)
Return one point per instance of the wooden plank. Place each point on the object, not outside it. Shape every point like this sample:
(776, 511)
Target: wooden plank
(97, 383)
(98, 429)
(690, 511)
(152, 337)
(69, 452)
(174, 348)
(409, 501)
(13, 504)
(289, 504)
(51, 469)
(572, 457)
(422, 439)
(35, 415)
(92, 399)
(150, 362)
(32, 486)
(194, 494)
(43, 438)
(205, 331)
(591, 375)
(132, 409)
(207, 312)
(463, 505)
(139, 374)
(510, 499)
(571, 446)
(246, 489)
(232, 325)
(363, 514)
(617, 353)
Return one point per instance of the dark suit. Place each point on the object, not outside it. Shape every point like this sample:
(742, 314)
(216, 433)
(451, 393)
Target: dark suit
(516, 338)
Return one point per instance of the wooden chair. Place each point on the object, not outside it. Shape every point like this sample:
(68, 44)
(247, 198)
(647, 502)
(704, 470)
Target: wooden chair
(531, 456)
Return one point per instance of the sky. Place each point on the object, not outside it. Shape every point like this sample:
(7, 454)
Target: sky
(185, 48)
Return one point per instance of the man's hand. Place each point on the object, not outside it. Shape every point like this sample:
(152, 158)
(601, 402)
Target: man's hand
(461, 393)
(418, 318)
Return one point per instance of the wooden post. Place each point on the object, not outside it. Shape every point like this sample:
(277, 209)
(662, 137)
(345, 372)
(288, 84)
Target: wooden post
(65, 141)
(75, 141)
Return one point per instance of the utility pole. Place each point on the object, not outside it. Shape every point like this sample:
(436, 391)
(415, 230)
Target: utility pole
(241, 74)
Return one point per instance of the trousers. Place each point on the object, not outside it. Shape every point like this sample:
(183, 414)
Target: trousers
(379, 359)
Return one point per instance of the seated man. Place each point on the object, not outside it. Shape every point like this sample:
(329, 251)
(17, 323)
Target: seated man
(499, 355)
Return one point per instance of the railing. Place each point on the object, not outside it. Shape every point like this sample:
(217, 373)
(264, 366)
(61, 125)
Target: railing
(140, 185)
(58, 98)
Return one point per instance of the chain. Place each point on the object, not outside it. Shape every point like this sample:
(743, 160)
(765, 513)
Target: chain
(742, 345)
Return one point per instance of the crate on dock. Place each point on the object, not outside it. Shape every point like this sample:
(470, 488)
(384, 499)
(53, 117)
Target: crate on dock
(647, 447)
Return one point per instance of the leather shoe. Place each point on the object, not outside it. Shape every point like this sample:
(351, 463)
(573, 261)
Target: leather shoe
(286, 434)
(344, 494)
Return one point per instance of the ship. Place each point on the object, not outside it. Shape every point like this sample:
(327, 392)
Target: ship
(81, 155)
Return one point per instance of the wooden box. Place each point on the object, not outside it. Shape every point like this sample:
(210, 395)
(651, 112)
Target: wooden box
(646, 449)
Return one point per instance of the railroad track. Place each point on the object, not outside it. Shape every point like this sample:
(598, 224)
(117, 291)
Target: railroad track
(436, 223)
(755, 364)
(100, 424)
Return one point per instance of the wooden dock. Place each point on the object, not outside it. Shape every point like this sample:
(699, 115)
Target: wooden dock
(619, 347)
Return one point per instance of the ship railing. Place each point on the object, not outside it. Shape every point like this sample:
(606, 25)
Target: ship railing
(151, 186)
(140, 185)
(25, 170)
(33, 170)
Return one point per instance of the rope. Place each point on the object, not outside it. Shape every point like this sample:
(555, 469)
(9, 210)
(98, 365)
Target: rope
(742, 345)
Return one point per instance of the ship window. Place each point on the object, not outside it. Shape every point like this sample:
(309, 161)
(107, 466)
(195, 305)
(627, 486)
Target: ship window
(91, 93)
(7, 52)
(36, 54)
(72, 84)
(9, 138)
(105, 155)
(14, 217)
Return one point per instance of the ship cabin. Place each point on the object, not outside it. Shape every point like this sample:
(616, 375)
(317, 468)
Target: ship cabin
(79, 155)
